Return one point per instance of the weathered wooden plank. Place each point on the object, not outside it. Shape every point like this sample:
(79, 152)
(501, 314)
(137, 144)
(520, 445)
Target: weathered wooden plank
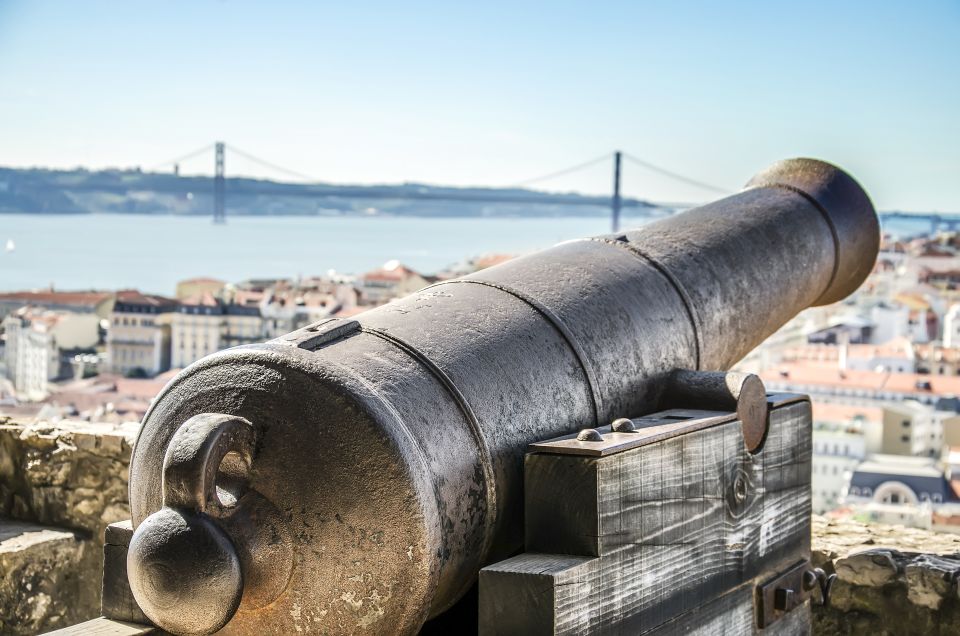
(732, 614)
(116, 600)
(105, 627)
(676, 525)
(561, 504)
(537, 594)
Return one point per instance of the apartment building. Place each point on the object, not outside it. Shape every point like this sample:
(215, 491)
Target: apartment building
(204, 324)
(40, 343)
(841, 437)
(138, 342)
(393, 280)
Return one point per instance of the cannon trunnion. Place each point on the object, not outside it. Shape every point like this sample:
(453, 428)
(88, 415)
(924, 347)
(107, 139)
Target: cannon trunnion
(356, 475)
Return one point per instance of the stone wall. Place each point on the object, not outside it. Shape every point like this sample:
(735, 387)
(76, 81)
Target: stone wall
(60, 486)
(890, 580)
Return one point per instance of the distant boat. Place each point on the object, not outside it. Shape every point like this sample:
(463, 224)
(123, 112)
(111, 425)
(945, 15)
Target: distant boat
(10, 245)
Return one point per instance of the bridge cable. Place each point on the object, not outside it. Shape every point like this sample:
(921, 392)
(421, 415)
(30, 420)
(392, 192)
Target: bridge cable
(674, 175)
(560, 173)
(189, 155)
(267, 164)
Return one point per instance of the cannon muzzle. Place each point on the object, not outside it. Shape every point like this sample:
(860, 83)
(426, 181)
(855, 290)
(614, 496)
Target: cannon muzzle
(355, 475)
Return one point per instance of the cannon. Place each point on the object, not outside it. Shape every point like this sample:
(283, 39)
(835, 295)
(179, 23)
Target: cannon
(356, 475)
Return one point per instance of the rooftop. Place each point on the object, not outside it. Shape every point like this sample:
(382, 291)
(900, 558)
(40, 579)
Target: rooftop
(131, 299)
(901, 465)
(807, 373)
(47, 297)
(843, 413)
(391, 271)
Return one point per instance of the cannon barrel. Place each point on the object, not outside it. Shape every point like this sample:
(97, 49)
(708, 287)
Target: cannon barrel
(355, 475)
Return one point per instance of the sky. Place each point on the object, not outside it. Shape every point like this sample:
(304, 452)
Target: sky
(492, 93)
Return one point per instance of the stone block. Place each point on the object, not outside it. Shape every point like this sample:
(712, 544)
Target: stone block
(930, 579)
(881, 587)
(71, 475)
(45, 578)
(873, 568)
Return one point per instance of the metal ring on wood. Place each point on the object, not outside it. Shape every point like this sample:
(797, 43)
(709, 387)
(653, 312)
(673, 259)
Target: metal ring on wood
(194, 455)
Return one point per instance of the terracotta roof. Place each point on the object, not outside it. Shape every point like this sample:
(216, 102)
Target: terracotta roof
(46, 320)
(811, 373)
(907, 383)
(41, 318)
(938, 353)
(248, 297)
(896, 348)
(808, 373)
(391, 272)
(843, 413)
(206, 299)
(56, 297)
(134, 297)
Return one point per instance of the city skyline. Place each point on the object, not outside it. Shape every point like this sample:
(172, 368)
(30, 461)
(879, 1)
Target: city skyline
(493, 96)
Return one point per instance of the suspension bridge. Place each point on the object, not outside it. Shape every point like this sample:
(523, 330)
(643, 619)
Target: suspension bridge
(518, 192)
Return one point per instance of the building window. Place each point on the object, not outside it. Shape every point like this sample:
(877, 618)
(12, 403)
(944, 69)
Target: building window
(905, 439)
(937, 498)
(905, 423)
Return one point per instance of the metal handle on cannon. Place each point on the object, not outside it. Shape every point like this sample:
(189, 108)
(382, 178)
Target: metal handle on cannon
(184, 569)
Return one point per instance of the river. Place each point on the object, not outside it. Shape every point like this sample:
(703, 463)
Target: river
(152, 253)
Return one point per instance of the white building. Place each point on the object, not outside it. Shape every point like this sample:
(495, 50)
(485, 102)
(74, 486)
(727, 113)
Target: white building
(914, 429)
(911, 491)
(891, 320)
(391, 281)
(836, 454)
(281, 316)
(841, 437)
(204, 325)
(896, 356)
(138, 342)
(951, 327)
(36, 344)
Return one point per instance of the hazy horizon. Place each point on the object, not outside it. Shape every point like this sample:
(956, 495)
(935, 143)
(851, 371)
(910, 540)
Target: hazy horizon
(492, 95)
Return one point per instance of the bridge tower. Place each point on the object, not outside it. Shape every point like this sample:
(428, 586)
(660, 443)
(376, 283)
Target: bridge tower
(615, 203)
(219, 183)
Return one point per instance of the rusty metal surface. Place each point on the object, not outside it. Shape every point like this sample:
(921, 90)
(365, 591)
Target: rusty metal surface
(626, 433)
(215, 545)
(740, 392)
(391, 445)
(783, 593)
(648, 429)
